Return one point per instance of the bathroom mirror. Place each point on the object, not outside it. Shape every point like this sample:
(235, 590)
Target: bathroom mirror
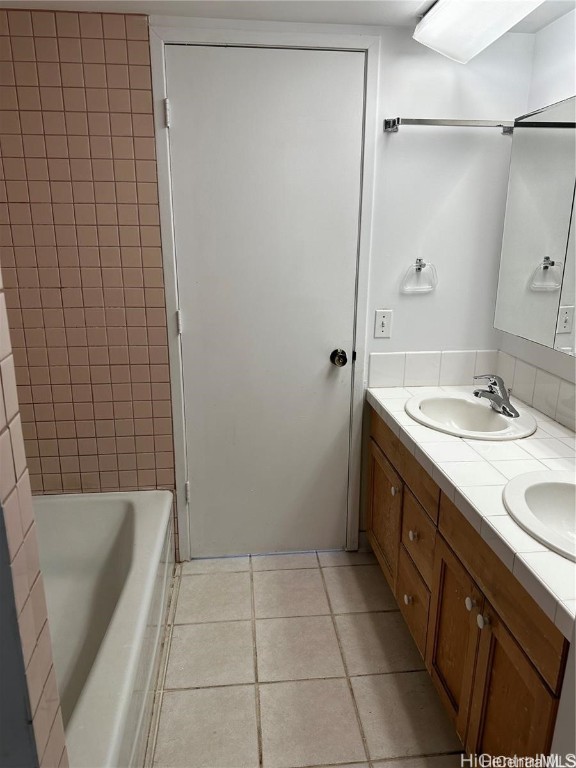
(536, 289)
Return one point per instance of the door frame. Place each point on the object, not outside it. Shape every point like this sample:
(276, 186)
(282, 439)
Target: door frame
(166, 30)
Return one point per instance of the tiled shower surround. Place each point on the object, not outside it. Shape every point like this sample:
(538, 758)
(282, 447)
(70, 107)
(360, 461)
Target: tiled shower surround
(27, 583)
(81, 257)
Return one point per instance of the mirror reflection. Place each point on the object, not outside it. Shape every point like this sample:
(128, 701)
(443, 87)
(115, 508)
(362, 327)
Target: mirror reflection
(565, 340)
(536, 285)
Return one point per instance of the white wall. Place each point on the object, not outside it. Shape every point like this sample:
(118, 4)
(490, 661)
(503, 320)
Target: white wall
(440, 193)
(554, 66)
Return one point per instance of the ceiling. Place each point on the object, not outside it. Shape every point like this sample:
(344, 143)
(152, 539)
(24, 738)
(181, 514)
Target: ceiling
(396, 13)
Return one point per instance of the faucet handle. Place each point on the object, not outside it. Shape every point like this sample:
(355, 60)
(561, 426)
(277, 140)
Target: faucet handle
(495, 381)
(491, 378)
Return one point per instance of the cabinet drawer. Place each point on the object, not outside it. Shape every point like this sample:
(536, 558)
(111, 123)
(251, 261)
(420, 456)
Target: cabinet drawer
(414, 599)
(422, 486)
(536, 634)
(389, 443)
(417, 479)
(418, 536)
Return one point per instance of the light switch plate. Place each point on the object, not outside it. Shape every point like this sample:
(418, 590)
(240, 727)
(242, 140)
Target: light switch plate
(383, 324)
(565, 320)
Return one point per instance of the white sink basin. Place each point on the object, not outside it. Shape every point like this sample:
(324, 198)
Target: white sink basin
(466, 416)
(544, 504)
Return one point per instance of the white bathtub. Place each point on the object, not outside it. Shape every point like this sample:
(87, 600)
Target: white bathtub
(107, 561)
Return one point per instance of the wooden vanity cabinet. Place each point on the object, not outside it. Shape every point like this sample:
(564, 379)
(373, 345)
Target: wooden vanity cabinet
(399, 489)
(414, 600)
(496, 659)
(499, 703)
(413, 475)
(384, 513)
(541, 641)
(499, 684)
(418, 536)
(415, 568)
(512, 711)
(453, 634)
(402, 509)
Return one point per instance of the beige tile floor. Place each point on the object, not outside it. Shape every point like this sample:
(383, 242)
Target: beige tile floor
(293, 661)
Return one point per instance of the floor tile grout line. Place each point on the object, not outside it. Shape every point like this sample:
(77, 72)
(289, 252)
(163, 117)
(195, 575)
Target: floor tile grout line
(354, 763)
(400, 758)
(251, 684)
(150, 755)
(255, 660)
(175, 594)
(268, 570)
(326, 566)
(294, 680)
(272, 618)
(345, 665)
(161, 682)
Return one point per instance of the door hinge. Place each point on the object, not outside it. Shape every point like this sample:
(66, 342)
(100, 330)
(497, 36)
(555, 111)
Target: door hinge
(167, 113)
(353, 355)
(187, 491)
(179, 322)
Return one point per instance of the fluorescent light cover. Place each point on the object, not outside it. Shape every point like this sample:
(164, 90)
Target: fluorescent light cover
(460, 29)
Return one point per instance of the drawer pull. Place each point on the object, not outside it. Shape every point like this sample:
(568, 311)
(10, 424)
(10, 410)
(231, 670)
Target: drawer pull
(469, 603)
(408, 599)
(394, 490)
(482, 621)
(413, 535)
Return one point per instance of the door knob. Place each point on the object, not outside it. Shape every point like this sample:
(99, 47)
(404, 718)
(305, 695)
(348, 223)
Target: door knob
(339, 358)
(408, 599)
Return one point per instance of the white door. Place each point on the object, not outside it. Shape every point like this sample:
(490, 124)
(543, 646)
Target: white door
(266, 155)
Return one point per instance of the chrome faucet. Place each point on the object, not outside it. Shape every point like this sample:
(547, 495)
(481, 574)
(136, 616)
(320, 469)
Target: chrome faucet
(496, 394)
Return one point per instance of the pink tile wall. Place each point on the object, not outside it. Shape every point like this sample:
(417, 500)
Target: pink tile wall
(81, 255)
(16, 499)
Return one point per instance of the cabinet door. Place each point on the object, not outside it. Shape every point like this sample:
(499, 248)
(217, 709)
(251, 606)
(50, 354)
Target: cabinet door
(453, 633)
(385, 510)
(513, 711)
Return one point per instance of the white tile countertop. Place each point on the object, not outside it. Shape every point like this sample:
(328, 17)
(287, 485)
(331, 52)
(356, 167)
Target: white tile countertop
(473, 473)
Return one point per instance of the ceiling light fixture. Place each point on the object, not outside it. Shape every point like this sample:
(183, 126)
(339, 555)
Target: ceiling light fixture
(460, 29)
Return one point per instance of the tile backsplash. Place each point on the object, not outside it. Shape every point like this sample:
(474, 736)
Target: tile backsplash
(421, 369)
(81, 255)
(549, 394)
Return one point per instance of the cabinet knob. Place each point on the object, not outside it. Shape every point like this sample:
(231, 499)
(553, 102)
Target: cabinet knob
(469, 603)
(482, 621)
(413, 535)
(394, 491)
(408, 599)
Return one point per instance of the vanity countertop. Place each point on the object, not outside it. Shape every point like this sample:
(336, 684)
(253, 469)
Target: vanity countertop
(473, 473)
